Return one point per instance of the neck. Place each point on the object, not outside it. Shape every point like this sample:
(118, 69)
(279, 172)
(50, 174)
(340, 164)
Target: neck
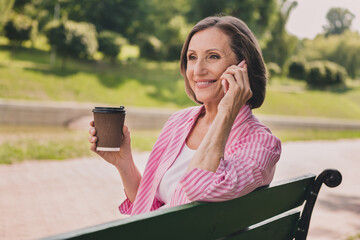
(210, 112)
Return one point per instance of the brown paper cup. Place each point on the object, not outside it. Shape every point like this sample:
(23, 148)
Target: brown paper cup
(109, 123)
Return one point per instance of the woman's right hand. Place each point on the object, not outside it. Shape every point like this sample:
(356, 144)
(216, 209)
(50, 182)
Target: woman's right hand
(115, 158)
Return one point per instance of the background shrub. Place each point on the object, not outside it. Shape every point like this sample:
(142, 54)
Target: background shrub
(273, 69)
(18, 28)
(72, 38)
(110, 44)
(297, 68)
(325, 73)
(150, 47)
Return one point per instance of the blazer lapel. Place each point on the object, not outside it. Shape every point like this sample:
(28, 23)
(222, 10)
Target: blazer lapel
(174, 147)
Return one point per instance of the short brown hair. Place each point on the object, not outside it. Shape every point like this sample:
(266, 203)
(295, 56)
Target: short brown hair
(245, 46)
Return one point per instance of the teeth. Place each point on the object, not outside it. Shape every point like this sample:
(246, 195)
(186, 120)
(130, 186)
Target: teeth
(203, 83)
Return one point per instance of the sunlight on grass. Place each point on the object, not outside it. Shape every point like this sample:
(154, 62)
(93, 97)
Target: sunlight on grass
(18, 143)
(29, 75)
(356, 237)
(129, 51)
(27, 149)
(286, 135)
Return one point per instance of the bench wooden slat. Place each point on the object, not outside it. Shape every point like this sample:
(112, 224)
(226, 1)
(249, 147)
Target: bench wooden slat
(282, 227)
(198, 220)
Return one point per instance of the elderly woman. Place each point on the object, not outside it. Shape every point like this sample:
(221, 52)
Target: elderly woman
(213, 152)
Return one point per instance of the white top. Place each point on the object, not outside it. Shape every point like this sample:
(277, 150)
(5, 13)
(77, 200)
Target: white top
(172, 176)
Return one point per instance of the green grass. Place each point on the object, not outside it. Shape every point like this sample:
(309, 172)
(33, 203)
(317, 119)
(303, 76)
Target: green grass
(19, 143)
(25, 149)
(314, 103)
(27, 74)
(356, 237)
(50, 143)
(286, 135)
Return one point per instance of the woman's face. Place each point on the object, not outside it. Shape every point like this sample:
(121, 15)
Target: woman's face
(208, 56)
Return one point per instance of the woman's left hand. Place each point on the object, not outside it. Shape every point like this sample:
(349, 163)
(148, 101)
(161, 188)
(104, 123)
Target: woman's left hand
(235, 81)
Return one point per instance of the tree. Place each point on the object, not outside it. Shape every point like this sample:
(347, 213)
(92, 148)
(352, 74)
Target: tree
(5, 8)
(281, 44)
(18, 29)
(258, 15)
(343, 49)
(339, 20)
(72, 39)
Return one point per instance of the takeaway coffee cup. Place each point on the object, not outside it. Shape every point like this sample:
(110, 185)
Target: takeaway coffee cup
(109, 123)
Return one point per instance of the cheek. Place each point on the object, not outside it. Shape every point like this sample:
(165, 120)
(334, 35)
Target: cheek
(189, 73)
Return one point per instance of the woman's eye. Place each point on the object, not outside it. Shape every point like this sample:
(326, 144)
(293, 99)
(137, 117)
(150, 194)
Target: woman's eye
(214, 56)
(191, 57)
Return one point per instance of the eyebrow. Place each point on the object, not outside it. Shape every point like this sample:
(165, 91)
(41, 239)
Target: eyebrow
(209, 50)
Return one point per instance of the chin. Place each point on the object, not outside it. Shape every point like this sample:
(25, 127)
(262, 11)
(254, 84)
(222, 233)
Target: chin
(208, 99)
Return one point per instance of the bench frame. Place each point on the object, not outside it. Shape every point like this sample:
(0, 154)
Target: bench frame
(275, 215)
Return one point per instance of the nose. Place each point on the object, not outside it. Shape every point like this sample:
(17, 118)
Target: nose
(200, 67)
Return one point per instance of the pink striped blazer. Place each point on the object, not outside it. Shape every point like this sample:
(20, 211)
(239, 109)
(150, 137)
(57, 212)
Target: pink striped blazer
(251, 153)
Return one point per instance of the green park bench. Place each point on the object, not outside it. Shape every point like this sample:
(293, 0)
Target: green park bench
(271, 212)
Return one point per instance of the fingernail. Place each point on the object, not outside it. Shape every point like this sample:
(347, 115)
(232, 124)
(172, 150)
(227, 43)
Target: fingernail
(93, 138)
(242, 63)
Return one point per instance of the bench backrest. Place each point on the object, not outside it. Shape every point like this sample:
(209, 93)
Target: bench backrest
(262, 214)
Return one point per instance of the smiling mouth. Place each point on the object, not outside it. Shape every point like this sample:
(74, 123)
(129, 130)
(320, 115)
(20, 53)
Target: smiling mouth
(204, 83)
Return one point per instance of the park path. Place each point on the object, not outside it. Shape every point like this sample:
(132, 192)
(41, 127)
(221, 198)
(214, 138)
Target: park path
(42, 198)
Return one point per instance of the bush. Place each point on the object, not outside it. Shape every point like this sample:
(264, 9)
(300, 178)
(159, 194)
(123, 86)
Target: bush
(173, 51)
(297, 69)
(273, 69)
(76, 39)
(150, 47)
(18, 28)
(342, 49)
(325, 73)
(110, 44)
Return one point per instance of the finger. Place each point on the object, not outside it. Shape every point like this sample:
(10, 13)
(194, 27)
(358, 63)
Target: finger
(92, 139)
(93, 147)
(229, 78)
(237, 73)
(92, 123)
(92, 131)
(242, 63)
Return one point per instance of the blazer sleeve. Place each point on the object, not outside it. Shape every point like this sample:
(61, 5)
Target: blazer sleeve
(250, 164)
(126, 206)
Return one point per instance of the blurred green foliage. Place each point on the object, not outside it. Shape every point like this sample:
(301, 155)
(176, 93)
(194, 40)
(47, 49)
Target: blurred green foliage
(273, 69)
(342, 49)
(339, 20)
(297, 68)
(324, 73)
(158, 28)
(5, 8)
(18, 28)
(281, 44)
(72, 39)
(110, 43)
